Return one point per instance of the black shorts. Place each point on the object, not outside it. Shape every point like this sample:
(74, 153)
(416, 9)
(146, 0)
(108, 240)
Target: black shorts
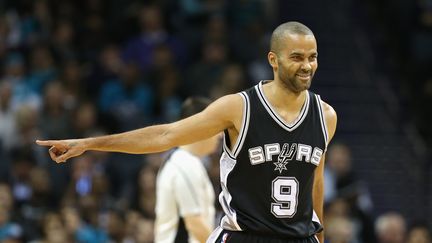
(226, 236)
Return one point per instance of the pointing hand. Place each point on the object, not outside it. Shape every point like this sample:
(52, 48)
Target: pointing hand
(62, 150)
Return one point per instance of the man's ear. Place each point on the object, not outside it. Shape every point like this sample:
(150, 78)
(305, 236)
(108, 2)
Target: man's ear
(272, 58)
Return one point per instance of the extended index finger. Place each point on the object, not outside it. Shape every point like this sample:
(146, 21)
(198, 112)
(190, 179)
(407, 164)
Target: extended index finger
(47, 142)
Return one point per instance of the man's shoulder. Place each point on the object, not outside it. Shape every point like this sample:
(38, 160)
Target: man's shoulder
(328, 110)
(330, 117)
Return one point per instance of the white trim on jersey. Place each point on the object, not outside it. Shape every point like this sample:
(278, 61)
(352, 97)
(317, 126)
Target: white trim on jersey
(229, 221)
(214, 235)
(317, 220)
(322, 119)
(315, 217)
(243, 131)
(289, 127)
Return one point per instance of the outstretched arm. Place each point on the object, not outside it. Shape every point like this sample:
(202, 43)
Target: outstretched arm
(318, 187)
(218, 116)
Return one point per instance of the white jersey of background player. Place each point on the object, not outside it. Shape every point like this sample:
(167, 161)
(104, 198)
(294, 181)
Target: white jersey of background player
(184, 191)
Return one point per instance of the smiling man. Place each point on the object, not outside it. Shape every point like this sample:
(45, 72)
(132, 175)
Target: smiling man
(275, 137)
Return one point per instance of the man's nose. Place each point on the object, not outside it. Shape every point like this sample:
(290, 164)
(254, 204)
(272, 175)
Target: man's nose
(306, 66)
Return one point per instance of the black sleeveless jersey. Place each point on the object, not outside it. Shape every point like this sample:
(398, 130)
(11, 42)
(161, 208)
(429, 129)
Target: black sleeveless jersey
(267, 176)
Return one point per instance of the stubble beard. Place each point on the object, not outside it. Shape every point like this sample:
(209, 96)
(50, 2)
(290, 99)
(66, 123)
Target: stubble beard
(294, 84)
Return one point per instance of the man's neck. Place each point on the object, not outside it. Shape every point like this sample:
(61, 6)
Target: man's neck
(280, 96)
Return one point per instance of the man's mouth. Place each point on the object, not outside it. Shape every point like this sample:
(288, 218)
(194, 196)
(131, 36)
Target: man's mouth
(304, 76)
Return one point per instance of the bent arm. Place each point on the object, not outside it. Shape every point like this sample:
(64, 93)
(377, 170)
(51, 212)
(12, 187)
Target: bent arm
(318, 195)
(214, 119)
(318, 187)
(196, 226)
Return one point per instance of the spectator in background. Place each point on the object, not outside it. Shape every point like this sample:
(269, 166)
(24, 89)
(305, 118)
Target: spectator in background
(144, 231)
(54, 118)
(132, 218)
(93, 31)
(10, 231)
(337, 213)
(53, 230)
(26, 120)
(244, 12)
(168, 103)
(4, 29)
(63, 40)
(73, 83)
(258, 67)
(390, 228)
(340, 230)
(216, 29)
(128, 99)
(115, 225)
(8, 132)
(81, 183)
(40, 202)
(232, 81)
(206, 72)
(42, 68)
(23, 162)
(212, 27)
(6, 197)
(44, 20)
(419, 233)
(191, 12)
(342, 182)
(152, 33)
(81, 231)
(85, 120)
(15, 74)
(164, 76)
(244, 49)
(107, 67)
(145, 197)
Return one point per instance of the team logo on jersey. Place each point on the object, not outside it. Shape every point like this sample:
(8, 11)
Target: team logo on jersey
(285, 156)
(297, 151)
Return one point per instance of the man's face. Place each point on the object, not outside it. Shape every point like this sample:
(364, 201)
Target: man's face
(296, 61)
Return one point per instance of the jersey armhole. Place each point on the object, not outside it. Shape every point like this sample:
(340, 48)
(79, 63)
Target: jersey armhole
(322, 120)
(243, 131)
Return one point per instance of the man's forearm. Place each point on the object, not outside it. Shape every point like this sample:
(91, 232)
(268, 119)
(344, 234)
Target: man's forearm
(318, 197)
(145, 140)
(196, 227)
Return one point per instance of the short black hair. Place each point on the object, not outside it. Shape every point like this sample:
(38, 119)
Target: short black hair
(193, 105)
(282, 30)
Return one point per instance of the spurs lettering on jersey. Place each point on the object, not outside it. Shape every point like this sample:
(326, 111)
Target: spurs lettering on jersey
(299, 152)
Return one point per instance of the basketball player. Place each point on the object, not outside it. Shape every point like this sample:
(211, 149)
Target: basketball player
(184, 194)
(275, 138)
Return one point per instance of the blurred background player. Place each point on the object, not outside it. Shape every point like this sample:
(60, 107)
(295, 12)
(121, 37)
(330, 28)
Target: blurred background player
(184, 194)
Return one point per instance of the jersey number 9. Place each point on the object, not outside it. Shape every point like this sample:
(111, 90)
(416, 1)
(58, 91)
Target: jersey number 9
(285, 194)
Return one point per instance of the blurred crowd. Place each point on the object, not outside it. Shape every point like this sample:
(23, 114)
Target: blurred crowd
(91, 67)
(405, 37)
